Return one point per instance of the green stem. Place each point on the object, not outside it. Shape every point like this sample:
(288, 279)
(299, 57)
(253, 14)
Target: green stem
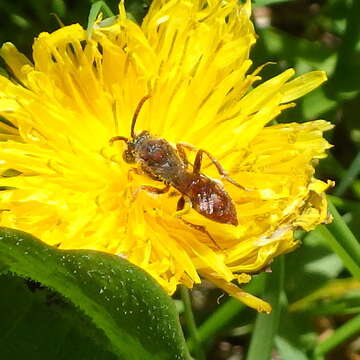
(349, 176)
(266, 326)
(341, 334)
(344, 204)
(344, 235)
(190, 322)
(337, 247)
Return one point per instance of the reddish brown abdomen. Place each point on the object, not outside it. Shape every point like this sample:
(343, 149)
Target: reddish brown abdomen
(211, 200)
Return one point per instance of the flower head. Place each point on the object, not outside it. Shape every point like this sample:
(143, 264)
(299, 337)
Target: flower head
(71, 188)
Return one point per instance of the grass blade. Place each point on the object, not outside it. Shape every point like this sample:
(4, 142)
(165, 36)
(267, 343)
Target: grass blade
(337, 247)
(260, 3)
(344, 235)
(349, 176)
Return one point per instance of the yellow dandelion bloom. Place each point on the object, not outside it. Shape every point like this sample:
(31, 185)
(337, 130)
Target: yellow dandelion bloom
(67, 185)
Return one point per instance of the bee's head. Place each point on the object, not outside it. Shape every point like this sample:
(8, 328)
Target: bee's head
(129, 154)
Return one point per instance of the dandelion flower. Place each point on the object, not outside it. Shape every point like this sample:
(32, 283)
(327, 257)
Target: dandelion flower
(69, 187)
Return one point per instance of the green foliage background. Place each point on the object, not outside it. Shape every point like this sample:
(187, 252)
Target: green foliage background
(315, 291)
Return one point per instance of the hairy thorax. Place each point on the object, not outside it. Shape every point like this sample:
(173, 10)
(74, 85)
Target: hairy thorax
(159, 160)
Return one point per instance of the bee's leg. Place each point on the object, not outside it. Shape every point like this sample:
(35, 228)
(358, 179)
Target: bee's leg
(198, 160)
(188, 146)
(202, 229)
(182, 154)
(131, 171)
(155, 190)
(182, 210)
(220, 169)
(150, 189)
(181, 204)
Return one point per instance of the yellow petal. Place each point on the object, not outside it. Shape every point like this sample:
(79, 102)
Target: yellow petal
(241, 295)
(264, 92)
(302, 85)
(15, 60)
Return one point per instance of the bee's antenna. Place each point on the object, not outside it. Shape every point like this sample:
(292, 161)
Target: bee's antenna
(117, 138)
(136, 113)
(61, 24)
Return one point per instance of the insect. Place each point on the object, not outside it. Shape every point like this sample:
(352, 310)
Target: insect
(159, 160)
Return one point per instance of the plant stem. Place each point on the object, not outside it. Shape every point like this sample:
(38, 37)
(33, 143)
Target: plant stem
(191, 325)
(266, 326)
(344, 204)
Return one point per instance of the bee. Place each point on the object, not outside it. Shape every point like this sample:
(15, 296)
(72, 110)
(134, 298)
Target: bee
(160, 161)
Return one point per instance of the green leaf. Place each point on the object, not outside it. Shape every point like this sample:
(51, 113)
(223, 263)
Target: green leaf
(38, 324)
(137, 317)
(95, 9)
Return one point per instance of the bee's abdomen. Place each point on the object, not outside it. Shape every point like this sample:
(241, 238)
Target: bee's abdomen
(211, 200)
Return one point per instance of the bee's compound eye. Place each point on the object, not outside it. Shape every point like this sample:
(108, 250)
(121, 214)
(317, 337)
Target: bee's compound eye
(128, 157)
